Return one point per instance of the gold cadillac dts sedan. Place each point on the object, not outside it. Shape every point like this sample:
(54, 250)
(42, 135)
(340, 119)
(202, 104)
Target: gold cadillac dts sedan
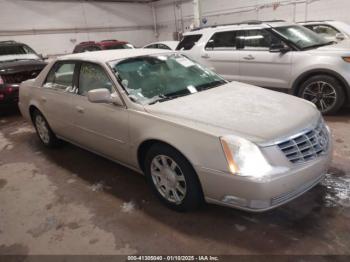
(195, 136)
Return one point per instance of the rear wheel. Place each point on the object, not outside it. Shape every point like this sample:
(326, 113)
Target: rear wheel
(172, 178)
(43, 130)
(325, 92)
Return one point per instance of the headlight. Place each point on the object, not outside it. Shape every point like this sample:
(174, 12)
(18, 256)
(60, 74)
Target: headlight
(244, 158)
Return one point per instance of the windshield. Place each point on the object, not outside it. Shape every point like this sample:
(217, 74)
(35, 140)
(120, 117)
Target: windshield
(157, 78)
(302, 37)
(16, 52)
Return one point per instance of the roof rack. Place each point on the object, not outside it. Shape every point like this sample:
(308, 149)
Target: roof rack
(87, 42)
(248, 22)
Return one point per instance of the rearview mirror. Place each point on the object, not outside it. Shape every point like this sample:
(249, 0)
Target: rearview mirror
(42, 57)
(340, 36)
(279, 48)
(102, 95)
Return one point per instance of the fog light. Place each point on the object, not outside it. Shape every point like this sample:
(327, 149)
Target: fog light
(236, 201)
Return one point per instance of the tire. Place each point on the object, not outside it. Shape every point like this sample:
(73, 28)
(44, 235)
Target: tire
(176, 184)
(326, 92)
(43, 130)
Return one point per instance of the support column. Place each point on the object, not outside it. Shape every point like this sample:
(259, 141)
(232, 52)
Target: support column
(197, 13)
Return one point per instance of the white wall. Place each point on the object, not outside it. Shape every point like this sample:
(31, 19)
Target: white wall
(231, 11)
(56, 27)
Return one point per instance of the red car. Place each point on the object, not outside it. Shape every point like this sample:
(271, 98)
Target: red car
(103, 45)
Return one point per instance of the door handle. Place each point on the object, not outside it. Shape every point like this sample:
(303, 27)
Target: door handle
(206, 56)
(43, 98)
(80, 109)
(249, 57)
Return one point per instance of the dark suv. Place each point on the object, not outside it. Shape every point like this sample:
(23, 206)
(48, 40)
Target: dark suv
(18, 62)
(103, 45)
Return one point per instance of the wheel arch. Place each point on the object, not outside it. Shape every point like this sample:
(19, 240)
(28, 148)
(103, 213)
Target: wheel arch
(32, 109)
(147, 144)
(306, 75)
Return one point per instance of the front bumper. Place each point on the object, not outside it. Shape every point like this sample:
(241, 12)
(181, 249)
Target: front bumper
(262, 195)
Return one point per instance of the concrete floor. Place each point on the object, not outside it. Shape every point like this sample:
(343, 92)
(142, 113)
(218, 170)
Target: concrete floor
(70, 201)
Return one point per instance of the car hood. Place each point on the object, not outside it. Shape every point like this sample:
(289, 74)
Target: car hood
(10, 67)
(257, 114)
(340, 46)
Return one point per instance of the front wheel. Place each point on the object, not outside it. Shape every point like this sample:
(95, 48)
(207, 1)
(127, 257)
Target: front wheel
(325, 92)
(172, 178)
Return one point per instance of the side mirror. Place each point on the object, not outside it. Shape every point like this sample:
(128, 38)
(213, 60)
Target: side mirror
(340, 36)
(279, 48)
(103, 95)
(42, 57)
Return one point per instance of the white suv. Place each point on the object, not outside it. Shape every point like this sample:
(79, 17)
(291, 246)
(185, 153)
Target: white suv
(277, 55)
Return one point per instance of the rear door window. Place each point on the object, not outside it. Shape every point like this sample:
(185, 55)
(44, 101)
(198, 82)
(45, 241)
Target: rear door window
(61, 77)
(152, 46)
(165, 47)
(188, 42)
(222, 41)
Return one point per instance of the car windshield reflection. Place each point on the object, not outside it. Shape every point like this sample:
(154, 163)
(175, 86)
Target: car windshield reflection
(158, 78)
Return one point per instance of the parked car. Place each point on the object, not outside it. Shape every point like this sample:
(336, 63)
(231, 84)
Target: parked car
(167, 45)
(329, 29)
(194, 135)
(91, 46)
(18, 62)
(277, 55)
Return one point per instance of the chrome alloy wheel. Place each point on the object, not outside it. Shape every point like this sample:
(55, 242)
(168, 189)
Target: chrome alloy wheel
(168, 179)
(322, 94)
(42, 128)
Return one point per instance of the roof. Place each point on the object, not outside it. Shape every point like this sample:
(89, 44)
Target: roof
(103, 43)
(315, 21)
(10, 42)
(110, 55)
(171, 44)
(260, 24)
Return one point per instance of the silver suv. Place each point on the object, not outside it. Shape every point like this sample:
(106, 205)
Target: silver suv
(277, 55)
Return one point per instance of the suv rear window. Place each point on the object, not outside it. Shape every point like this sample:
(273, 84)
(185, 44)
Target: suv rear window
(188, 42)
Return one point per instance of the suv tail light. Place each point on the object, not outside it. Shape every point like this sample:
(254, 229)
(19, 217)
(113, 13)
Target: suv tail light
(1, 81)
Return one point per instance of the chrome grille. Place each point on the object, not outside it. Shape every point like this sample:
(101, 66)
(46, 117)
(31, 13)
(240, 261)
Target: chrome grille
(306, 146)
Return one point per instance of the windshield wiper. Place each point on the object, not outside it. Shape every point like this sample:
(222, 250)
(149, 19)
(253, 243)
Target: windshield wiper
(168, 97)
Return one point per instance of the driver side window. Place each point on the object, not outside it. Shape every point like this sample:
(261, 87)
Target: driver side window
(259, 39)
(93, 76)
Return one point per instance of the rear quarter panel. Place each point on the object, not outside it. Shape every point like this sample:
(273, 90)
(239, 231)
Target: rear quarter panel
(29, 93)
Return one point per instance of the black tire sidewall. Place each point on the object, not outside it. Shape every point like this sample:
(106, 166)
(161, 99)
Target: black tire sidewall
(334, 83)
(194, 195)
(53, 141)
